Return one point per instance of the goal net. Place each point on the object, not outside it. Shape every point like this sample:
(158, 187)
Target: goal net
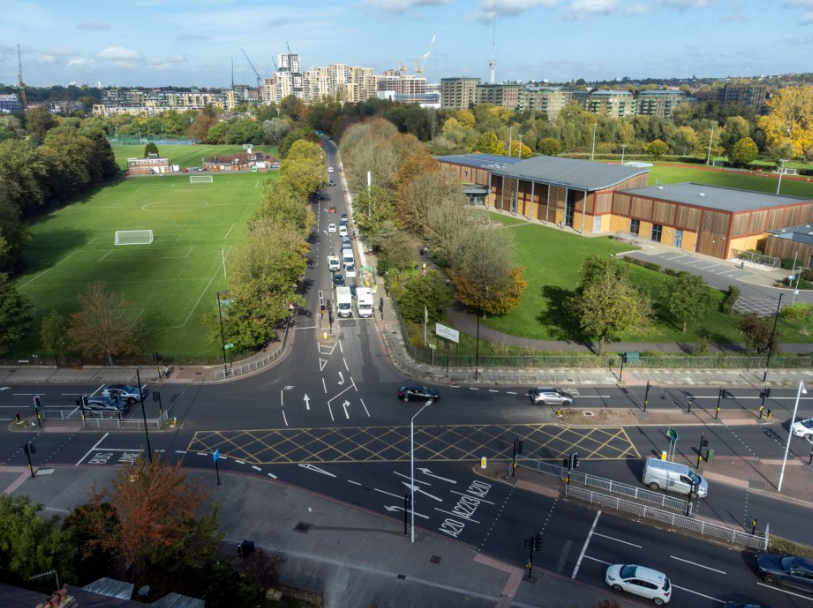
(201, 179)
(133, 237)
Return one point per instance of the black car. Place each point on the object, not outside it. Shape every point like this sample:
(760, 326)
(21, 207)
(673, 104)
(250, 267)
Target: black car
(338, 280)
(786, 570)
(417, 392)
(332, 183)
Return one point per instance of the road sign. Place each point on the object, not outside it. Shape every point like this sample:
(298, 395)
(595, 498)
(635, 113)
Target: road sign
(229, 345)
(447, 332)
(433, 346)
(672, 434)
(216, 455)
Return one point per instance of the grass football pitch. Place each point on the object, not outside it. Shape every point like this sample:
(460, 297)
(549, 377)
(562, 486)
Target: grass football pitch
(171, 284)
(185, 155)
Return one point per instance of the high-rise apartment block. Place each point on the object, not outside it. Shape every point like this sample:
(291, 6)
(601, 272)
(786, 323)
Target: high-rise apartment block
(660, 103)
(458, 93)
(550, 100)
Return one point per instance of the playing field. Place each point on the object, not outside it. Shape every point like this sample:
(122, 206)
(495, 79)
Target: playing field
(170, 284)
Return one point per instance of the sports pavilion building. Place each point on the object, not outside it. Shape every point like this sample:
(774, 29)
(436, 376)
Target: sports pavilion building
(597, 198)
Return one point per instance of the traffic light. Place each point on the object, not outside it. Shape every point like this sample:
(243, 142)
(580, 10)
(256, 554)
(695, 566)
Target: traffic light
(29, 448)
(704, 443)
(519, 446)
(574, 460)
(37, 401)
(538, 541)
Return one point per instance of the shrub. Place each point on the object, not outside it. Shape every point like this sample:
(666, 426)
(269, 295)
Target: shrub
(787, 263)
(643, 263)
(730, 299)
(807, 274)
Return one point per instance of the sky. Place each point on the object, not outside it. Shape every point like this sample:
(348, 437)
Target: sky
(193, 42)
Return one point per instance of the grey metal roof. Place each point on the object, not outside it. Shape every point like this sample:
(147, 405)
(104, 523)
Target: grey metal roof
(176, 600)
(481, 161)
(111, 588)
(803, 233)
(715, 197)
(576, 174)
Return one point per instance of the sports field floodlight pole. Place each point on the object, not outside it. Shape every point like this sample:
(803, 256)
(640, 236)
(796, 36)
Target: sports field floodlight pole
(790, 432)
(412, 468)
(143, 412)
(781, 173)
(222, 339)
(711, 139)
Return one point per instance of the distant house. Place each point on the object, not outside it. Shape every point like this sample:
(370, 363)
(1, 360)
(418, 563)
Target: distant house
(152, 165)
(245, 161)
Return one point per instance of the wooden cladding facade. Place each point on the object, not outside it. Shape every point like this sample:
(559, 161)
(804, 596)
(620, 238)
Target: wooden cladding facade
(787, 248)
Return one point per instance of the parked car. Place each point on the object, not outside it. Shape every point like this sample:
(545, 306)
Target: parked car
(547, 395)
(338, 280)
(344, 217)
(417, 392)
(342, 229)
(125, 392)
(638, 580)
(334, 263)
(332, 183)
(786, 570)
(346, 243)
(803, 428)
(185, 169)
(105, 404)
(331, 228)
(350, 271)
(331, 209)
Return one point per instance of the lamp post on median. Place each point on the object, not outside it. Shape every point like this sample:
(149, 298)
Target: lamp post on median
(222, 339)
(781, 172)
(623, 149)
(790, 432)
(143, 412)
(773, 337)
(412, 469)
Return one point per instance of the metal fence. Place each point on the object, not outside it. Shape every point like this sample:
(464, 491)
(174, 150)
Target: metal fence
(608, 485)
(105, 420)
(756, 258)
(251, 366)
(704, 528)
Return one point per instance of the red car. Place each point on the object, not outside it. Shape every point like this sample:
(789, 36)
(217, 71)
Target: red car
(331, 209)
(185, 169)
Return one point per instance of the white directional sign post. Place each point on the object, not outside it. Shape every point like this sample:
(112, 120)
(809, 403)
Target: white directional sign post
(449, 335)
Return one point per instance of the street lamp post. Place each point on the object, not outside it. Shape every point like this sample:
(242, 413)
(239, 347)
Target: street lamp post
(477, 348)
(773, 337)
(790, 432)
(144, 413)
(781, 173)
(593, 153)
(623, 149)
(222, 339)
(412, 468)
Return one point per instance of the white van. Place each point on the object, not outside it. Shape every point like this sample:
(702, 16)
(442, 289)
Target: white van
(673, 476)
(348, 257)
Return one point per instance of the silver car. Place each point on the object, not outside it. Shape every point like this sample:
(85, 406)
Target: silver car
(547, 395)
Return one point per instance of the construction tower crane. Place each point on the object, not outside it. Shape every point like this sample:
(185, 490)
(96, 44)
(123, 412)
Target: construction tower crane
(421, 62)
(20, 82)
(401, 68)
(259, 78)
(289, 47)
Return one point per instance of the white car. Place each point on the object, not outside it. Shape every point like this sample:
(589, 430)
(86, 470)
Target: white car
(803, 428)
(331, 228)
(638, 580)
(350, 270)
(330, 169)
(334, 263)
(342, 229)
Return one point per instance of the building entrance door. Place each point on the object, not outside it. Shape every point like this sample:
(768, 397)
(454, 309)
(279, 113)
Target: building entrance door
(570, 206)
(678, 238)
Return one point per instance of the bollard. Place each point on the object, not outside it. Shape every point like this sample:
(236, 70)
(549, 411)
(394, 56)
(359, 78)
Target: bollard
(761, 407)
(17, 418)
(768, 416)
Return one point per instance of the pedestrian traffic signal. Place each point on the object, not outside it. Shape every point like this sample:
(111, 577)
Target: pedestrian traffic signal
(704, 443)
(574, 458)
(519, 446)
(37, 401)
(29, 448)
(538, 541)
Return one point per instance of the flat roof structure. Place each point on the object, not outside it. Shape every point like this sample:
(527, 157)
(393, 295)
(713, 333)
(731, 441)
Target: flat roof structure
(803, 233)
(731, 200)
(481, 161)
(571, 173)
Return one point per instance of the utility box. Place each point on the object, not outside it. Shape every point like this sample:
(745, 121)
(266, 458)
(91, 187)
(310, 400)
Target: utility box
(709, 456)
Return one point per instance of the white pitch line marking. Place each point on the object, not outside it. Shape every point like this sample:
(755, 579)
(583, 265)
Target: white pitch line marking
(618, 540)
(584, 548)
(91, 449)
(256, 468)
(686, 561)
(229, 232)
(355, 483)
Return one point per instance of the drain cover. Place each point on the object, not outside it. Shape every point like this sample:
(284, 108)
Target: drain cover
(588, 413)
(435, 559)
(402, 577)
(302, 527)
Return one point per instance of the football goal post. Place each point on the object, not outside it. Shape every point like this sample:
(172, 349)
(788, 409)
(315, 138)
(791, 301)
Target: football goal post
(133, 237)
(201, 179)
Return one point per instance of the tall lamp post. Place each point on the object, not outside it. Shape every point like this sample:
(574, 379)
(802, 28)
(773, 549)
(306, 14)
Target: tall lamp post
(781, 173)
(790, 432)
(144, 413)
(773, 337)
(593, 153)
(623, 149)
(222, 339)
(412, 469)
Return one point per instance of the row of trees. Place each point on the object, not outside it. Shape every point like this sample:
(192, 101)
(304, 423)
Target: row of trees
(153, 526)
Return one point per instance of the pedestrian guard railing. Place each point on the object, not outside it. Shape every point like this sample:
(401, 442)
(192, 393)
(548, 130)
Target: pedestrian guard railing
(105, 420)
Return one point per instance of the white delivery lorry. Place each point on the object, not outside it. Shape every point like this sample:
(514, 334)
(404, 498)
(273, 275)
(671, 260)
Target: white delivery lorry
(347, 256)
(364, 302)
(344, 302)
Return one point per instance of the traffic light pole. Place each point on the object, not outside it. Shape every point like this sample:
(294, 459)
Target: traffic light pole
(144, 414)
(29, 449)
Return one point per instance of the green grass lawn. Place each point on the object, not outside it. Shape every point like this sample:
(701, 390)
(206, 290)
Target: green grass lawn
(184, 155)
(553, 258)
(170, 284)
(670, 174)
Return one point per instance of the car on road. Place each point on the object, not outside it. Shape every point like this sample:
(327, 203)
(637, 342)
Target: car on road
(330, 169)
(105, 404)
(338, 280)
(344, 217)
(331, 209)
(639, 580)
(417, 392)
(334, 263)
(342, 229)
(803, 428)
(786, 570)
(331, 228)
(350, 271)
(185, 169)
(346, 242)
(547, 395)
(332, 183)
(125, 392)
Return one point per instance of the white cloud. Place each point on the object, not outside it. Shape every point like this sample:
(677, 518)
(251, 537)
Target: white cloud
(396, 6)
(807, 18)
(509, 8)
(94, 26)
(681, 4)
(118, 53)
(581, 9)
(636, 9)
(80, 61)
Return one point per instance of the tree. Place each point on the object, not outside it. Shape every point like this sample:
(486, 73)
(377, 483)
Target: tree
(38, 121)
(607, 307)
(687, 298)
(104, 327)
(549, 147)
(396, 249)
(758, 334)
(16, 314)
(789, 123)
(374, 207)
(489, 144)
(743, 152)
(150, 148)
(656, 149)
(156, 517)
(520, 150)
(596, 267)
(275, 129)
(205, 120)
(54, 336)
(425, 292)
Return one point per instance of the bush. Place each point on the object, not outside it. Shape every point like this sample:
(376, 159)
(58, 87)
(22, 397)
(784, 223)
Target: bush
(787, 263)
(730, 299)
(648, 265)
(807, 274)
(670, 272)
(800, 283)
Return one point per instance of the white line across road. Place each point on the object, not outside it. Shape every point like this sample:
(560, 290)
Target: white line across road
(804, 597)
(686, 561)
(708, 597)
(93, 448)
(584, 548)
(618, 540)
(600, 561)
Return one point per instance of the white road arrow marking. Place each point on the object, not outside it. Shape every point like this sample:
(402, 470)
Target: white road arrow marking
(417, 489)
(316, 469)
(5, 388)
(341, 382)
(307, 402)
(344, 405)
(393, 509)
(322, 363)
(428, 473)
(407, 477)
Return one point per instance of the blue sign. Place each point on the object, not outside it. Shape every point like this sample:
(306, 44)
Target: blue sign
(216, 455)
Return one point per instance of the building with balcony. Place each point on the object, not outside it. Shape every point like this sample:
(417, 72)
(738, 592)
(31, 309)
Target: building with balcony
(505, 95)
(617, 104)
(660, 103)
(458, 93)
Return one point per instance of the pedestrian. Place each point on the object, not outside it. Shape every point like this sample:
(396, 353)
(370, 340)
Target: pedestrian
(166, 371)
(423, 268)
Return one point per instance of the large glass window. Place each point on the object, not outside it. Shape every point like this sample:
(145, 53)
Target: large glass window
(635, 227)
(657, 230)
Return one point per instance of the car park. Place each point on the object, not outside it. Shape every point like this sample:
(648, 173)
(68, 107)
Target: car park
(331, 228)
(547, 395)
(638, 580)
(338, 280)
(125, 392)
(417, 392)
(350, 270)
(105, 404)
(786, 570)
(803, 428)
(334, 263)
